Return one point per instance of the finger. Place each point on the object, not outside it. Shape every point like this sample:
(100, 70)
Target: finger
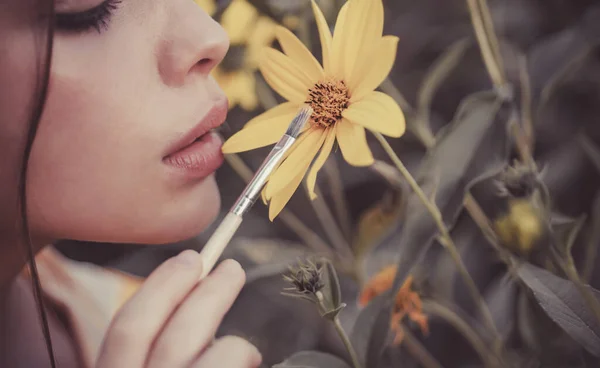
(137, 324)
(230, 352)
(194, 324)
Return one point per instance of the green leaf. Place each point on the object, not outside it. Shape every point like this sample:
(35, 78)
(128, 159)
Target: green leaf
(332, 288)
(563, 303)
(372, 321)
(330, 315)
(312, 359)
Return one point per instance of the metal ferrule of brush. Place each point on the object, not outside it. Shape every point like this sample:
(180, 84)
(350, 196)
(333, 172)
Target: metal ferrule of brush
(249, 196)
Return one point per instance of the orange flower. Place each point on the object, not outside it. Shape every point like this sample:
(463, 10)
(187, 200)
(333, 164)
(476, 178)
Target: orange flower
(407, 303)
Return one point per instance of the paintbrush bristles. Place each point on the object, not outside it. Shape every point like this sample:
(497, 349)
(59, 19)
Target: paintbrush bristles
(299, 121)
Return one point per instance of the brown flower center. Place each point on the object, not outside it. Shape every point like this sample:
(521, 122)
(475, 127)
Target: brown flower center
(328, 98)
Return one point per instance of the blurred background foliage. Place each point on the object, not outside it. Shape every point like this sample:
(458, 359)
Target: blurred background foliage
(511, 162)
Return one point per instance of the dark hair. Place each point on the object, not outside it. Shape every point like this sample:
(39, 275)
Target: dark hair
(41, 15)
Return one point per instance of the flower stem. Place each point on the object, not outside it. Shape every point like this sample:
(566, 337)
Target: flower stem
(341, 332)
(485, 45)
(490, 32)
(422, 132)
(445, 238)
(347, 343)
(418, 351)
(334, 178)
(331, 227)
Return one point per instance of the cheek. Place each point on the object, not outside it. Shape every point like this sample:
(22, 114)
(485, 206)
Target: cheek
(96, 170)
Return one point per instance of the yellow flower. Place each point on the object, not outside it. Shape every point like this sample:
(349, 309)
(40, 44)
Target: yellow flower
(356, 59)
(249, 32)
(208, 6)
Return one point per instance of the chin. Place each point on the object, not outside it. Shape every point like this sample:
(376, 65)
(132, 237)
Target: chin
(179, 215)
(188, 217)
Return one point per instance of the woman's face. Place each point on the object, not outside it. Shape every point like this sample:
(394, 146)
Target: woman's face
(108, 162)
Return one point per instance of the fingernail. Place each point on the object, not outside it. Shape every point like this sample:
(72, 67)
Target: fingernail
(188, 258)
(229, 265)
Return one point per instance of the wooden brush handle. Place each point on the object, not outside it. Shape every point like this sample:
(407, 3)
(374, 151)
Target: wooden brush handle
(218, 241)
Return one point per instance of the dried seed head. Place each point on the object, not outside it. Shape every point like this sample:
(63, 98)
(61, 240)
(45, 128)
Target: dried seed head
(518, 181)
(306, 279)
(328, 98)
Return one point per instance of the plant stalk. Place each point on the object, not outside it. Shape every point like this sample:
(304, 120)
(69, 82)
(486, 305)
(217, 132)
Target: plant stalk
(333, 231)
(347, 343)
(488, 25)
(418, 351)
(341, 332)
(334, 178)
(485, 46)
(424, 135)
(445, 238)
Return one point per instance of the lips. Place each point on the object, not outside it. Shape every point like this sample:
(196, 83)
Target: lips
(213, 119)
(198, 153)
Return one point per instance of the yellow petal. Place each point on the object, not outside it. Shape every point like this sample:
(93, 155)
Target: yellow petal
(248, 100)
(296, 50)
(237, 19)
(284, 76)
(244, 90)
(283, 197)
(226, 82)
(263, 193)
(260, 36)
(302, 155)
(285, 108)
(263, 196)
(376, 69)
(338, 43)
(260, 134)
(324, 35)
(311, 179)
(379, 112)
(364, 20)
(353, 143)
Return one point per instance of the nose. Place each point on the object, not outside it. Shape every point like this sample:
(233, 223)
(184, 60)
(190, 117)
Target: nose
(192, 44)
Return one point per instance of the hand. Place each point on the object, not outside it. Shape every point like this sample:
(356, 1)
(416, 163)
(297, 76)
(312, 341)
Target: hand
(171, 320)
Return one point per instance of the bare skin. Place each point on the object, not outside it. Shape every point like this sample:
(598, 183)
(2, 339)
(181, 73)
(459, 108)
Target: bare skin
(117, 100)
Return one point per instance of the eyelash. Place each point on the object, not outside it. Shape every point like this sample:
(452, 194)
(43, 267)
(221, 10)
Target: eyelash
(97, 17)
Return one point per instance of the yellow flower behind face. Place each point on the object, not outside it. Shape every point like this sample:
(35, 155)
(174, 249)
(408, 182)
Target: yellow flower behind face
(208, 6)
(356, 59)
(249, 32)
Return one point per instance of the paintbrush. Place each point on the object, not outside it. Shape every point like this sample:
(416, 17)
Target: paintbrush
(220, 238)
